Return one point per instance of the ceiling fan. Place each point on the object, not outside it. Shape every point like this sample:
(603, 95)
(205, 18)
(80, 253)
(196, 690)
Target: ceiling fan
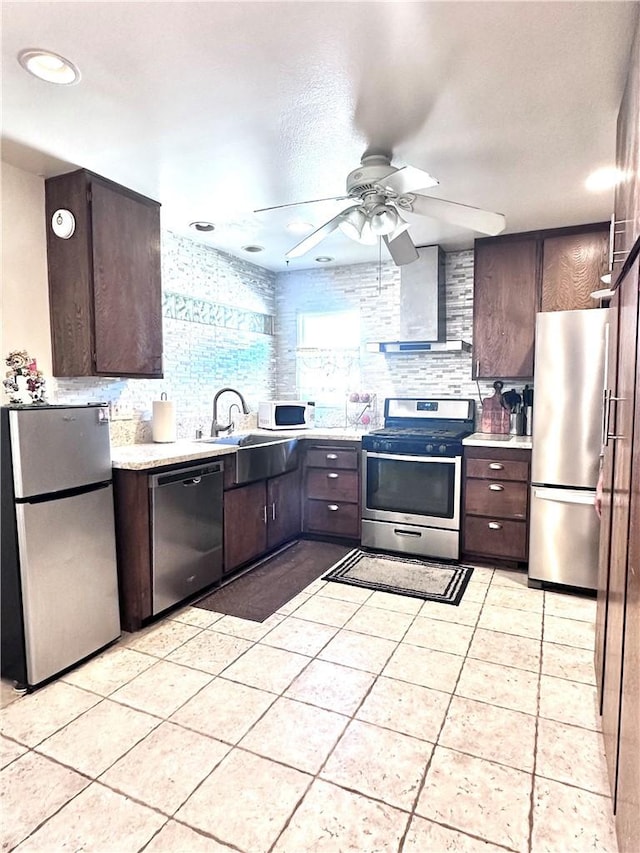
(381, 194)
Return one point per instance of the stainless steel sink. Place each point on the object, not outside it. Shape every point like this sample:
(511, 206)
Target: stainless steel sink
(258, 457)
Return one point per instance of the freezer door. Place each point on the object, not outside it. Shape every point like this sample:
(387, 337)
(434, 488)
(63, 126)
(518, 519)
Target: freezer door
(59, 448)
(569, 385)
(69, 580)
(564, 537)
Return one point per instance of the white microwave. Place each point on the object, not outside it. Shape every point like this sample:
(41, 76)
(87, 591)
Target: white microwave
(286, 414)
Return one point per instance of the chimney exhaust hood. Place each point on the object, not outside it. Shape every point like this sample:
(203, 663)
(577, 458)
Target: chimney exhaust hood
(422, 308)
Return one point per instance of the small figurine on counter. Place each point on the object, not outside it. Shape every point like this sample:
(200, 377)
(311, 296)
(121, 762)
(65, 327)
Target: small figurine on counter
(24, 382)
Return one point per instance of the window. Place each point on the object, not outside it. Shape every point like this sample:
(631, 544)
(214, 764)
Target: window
(328, 356)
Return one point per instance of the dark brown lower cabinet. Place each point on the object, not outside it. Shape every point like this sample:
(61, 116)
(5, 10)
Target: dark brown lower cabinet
(332, 489)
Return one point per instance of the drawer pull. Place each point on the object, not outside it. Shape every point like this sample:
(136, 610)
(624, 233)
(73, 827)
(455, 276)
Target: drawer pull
(496, 466)
(496, 487)
(414, 533)
(333, 476)
(333, 507)
(332, 456)
(493, 525)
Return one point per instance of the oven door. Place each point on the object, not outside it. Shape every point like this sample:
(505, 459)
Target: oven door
(423, 490)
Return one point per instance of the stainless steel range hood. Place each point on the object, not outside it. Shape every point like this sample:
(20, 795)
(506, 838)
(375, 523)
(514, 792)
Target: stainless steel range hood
(422, 308)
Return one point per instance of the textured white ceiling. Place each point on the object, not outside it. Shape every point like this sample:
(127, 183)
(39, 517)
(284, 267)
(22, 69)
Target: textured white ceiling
(219, 108)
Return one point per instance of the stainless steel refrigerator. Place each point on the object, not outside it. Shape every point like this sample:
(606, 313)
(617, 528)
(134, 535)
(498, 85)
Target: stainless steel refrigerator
(570, 372)
(59, 589)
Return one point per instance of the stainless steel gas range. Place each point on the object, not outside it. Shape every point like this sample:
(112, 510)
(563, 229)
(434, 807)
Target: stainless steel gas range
(412, 477)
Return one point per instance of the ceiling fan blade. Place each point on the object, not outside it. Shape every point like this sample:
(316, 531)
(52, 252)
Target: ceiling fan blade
(319, 234)
(482, 221)
(401, 249)
(408, 179)
(296, 203)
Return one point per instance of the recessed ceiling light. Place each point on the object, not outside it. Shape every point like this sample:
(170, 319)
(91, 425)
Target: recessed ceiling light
(253, 249)
(323, 259)
(201, 225)
(49, 66)
(298, 227)
(604, 179)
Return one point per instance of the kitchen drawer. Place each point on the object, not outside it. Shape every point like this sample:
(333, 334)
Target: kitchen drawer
(499, 498)
(490, 469)
(332, 485)
(339, 519)
(495, 537)
(331, 457)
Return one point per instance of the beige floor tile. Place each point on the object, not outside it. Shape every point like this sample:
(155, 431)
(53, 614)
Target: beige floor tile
(378, 622)
(8, 693)
(162, 689)
(424, 835)
(568, 662)
(487, 731)
(296, 734)
(571, 820)
(569, 702)
(513, 579)
(93, 820)
(92, 742)
(569, 632)
(570, 606)
(197, 616)
(345, 592)
(506, 649)
(379, 763)
(246, 628)
(360, 651)
(163, 638)
(406, 708)
(509, 620)
(253, 799)
(331, 819)
(391, 601)
(572, 755)
(38, 715)
(500, 685)
(331, 686)
(293, 604)
(9, 751)
(476, 592)
(315, 586)
(210, 652)
(465, 613)
(482, 574)
(296, 635)
(479, 797)
(178, 838)
(327, 612)
(267, 668)
(110, 670)
(438, 635)
(224, 709)
(424, 666)
(165, 768)
(32, 789)
(519, 599)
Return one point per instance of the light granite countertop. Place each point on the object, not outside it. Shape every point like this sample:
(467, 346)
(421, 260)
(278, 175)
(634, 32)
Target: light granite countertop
(488, 439)
(141, 457)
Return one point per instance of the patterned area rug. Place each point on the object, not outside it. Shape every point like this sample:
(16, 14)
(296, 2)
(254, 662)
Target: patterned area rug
(426, 579)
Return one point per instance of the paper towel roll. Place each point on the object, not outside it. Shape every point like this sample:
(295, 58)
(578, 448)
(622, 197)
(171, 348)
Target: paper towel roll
(164, 420)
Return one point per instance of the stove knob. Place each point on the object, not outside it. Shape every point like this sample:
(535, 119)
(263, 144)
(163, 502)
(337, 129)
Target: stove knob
(443, 448)
(429, 448)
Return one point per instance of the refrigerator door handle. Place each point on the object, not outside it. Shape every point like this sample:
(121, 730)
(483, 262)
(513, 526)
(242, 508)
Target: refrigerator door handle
(567, 497)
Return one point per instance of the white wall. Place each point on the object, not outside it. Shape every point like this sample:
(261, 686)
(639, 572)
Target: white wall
(25, 295)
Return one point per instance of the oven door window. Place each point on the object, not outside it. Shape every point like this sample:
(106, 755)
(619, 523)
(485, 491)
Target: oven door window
(415, 487)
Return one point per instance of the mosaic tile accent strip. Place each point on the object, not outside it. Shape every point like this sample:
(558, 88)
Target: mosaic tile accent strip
(176, 306)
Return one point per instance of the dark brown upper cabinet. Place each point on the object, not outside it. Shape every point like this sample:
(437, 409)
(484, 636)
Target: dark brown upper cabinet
(516, 276)
(104, 280)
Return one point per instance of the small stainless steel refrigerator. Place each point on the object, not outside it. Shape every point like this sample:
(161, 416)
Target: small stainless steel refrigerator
(59, 588)
(570, 372)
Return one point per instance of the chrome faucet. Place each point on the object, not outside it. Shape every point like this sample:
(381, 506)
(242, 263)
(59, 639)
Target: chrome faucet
(217, 427)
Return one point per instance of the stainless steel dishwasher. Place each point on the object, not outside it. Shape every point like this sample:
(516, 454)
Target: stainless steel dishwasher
(186, 537)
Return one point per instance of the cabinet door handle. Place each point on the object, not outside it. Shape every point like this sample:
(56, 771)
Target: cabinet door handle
(264, 513)
(273, 511)
(332, 476)
(477, 367)
(496, 466)
(333, 507)
(493, 525)
(332, 456)
(608, 436)
(496, 487)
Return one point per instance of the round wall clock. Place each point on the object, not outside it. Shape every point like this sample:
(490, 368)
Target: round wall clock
(63, 223)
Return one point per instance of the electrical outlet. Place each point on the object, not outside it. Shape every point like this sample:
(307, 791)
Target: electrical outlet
(120, 411)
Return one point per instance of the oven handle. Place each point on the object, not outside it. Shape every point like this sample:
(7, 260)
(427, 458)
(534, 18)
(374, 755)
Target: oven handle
(451, 460)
